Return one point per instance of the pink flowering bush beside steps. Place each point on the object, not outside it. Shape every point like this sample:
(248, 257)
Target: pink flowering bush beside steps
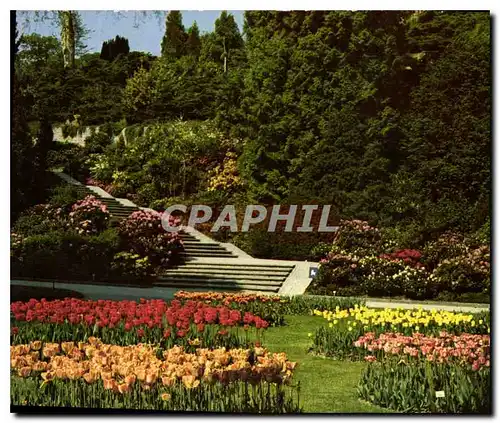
(74, 241)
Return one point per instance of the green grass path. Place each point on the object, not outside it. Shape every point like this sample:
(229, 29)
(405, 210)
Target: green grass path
(326, 385)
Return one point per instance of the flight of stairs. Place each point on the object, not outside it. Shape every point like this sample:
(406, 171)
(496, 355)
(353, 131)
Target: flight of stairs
(205, 265)
(117, 210)
(225, 276)
(193, 247)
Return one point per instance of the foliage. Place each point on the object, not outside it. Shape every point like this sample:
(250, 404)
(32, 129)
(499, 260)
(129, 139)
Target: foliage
(225, 177)
(341, 105)
(232, 398)
(143, 233)
(131, 265)
(413, 387)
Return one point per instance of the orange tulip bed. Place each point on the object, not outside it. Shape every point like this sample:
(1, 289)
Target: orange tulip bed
(86, 372)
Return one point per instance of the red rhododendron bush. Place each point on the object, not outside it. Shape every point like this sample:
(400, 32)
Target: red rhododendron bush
(180, 355)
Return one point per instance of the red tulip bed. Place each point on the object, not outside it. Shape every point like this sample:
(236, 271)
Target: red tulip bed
(192, 325)
(127, 322)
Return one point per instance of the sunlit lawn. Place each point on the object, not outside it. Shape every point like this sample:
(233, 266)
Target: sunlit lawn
(327, 386)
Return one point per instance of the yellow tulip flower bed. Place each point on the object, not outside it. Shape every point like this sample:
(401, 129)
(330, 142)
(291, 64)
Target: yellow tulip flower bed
(405, 376)
(345, 326)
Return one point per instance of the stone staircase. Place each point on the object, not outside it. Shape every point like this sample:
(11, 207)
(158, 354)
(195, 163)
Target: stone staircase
(194, 247)
(117, 210)
(228, 275)
(207, 265)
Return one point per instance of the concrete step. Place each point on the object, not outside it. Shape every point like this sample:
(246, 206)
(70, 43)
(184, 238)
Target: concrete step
(219, 279)
(202, 249)
(231, 271)
(221, 275)
(205, 285)
(206, 254)
(270, 267)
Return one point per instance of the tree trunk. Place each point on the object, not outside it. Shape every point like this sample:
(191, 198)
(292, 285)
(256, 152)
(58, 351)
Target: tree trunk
(68, 40)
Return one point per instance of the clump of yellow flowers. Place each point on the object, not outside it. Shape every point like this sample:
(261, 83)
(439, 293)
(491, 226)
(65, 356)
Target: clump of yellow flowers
(225, 176)
(399, 318)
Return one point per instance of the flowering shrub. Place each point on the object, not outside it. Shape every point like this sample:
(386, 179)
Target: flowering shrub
(469, 272)
(144, 234)
(409, 257)
(338, 273)
(347, 274)
(179, 379)
(89, 216)
(40, 219)
(126, 322)
(357, 236)
(446, 246)
(225, 177)
(130, 264)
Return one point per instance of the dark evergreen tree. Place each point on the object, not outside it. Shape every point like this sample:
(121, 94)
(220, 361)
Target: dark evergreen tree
(193, 43)
(173, 45)
(111, 49)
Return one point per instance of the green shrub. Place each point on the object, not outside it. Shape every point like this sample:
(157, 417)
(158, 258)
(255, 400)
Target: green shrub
(64, 255)
(97, 142)
(40, 219)
(469, 272)
(65, 196)
(278, 245)
(131, 265)
(50, 255)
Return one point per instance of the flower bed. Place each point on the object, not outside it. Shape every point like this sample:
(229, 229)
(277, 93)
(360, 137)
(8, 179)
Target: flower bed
(472, 350)
(126, 322)
(272, 308)
(346, 326)
(418, 361)
(173, 378)
(406, 373)
(365, 261)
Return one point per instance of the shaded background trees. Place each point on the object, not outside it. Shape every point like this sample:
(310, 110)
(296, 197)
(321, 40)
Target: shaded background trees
(386, 115)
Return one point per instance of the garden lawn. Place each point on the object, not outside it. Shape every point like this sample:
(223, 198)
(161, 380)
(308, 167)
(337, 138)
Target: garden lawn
(326, 385)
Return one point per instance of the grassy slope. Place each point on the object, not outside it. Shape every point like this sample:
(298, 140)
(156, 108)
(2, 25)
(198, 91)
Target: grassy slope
(327, 386)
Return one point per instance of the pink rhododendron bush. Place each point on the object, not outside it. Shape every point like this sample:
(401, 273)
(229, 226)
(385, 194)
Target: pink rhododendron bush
(72, 239)
(363, 260)
(89, 216)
